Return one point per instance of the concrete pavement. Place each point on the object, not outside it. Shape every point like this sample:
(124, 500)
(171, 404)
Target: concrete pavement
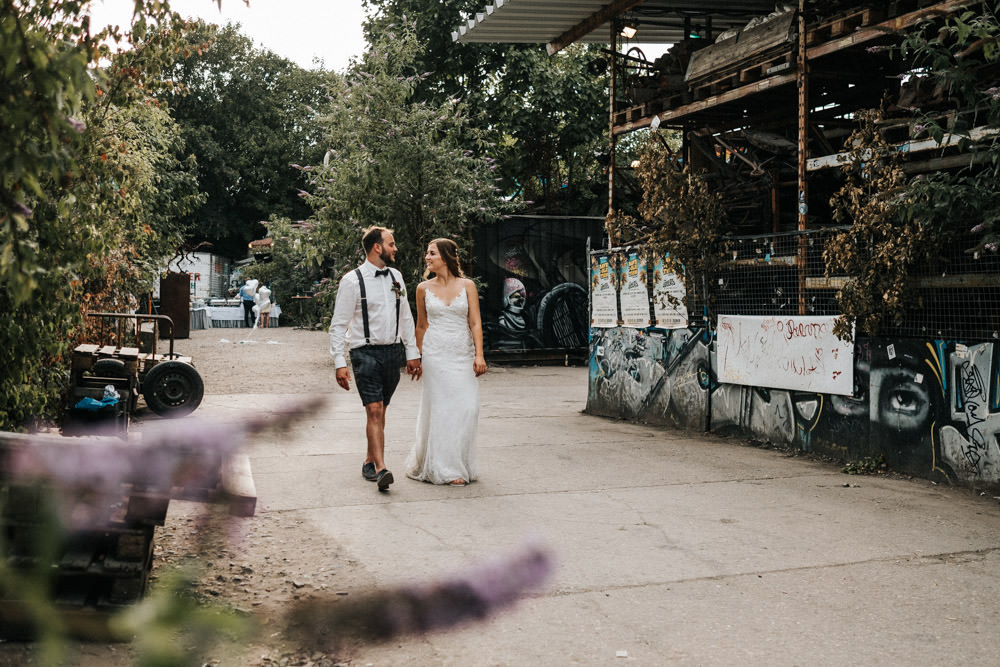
(672, 548)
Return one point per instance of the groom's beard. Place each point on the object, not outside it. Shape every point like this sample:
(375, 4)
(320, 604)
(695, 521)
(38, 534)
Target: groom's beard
(386, 257)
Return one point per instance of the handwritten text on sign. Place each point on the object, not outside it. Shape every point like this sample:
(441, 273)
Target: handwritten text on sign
(785, 353)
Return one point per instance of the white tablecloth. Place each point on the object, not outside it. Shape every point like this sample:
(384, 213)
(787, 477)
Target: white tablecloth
(232, 316)
(200, 318)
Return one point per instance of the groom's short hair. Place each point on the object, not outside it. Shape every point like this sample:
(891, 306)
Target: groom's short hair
(372, 236)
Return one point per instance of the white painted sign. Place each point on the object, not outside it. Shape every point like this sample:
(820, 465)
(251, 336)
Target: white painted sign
(798, 353)
(603, 292)
(634, 294)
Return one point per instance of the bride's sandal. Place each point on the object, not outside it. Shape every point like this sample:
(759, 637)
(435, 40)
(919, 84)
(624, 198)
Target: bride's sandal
(457, 482)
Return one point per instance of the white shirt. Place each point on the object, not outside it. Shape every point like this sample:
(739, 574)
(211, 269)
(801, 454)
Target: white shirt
(347, 325)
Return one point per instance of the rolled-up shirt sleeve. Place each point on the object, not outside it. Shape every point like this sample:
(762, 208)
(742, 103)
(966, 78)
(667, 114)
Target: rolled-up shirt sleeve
(343, 313)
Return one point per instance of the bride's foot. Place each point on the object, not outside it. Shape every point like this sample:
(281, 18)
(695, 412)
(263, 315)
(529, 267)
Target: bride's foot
(458, 482)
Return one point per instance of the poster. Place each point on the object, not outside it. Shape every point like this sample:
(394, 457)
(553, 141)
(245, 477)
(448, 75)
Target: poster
(634, 292)
(603, 291)
(798, 353)
(669, 310)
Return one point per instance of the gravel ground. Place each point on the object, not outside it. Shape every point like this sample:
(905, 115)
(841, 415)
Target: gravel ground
(253, 567)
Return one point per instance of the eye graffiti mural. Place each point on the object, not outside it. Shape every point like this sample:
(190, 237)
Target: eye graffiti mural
(929, 407)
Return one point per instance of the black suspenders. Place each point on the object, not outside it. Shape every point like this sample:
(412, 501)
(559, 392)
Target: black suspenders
(364, 308)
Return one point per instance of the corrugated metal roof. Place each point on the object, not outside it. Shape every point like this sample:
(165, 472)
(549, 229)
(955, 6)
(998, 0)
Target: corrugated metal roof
(658, 21)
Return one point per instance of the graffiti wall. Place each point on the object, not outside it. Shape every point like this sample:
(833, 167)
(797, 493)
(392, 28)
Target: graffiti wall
(660, 377)
(929, 407)
(536, 272)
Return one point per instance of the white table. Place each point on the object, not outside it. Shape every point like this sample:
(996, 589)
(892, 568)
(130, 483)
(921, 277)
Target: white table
(200, 318)
(231, 317)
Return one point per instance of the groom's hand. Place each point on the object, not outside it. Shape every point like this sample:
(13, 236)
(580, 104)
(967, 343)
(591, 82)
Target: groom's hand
(414, 369)
(344, 378)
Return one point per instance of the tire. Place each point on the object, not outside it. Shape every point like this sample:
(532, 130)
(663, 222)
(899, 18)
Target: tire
(173, 389)
(109, 368)
(563, 317)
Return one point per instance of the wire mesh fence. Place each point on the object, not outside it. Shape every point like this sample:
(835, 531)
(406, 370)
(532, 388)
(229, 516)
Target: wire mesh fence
(785, 274)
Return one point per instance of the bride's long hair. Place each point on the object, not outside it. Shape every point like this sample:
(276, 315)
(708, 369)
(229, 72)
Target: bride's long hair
(448, 250)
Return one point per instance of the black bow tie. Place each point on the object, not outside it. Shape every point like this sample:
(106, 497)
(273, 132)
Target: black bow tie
(381, 272)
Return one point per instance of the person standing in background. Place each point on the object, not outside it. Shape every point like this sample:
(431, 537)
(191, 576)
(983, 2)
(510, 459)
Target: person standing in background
(264, 306)
(247, 295)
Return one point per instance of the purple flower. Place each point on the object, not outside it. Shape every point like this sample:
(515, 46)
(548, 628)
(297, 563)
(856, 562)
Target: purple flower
(472, 595)
(88, 476)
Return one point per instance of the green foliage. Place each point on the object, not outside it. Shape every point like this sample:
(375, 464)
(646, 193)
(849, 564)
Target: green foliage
(31, 585)
(297, 283)
(92, 180)
(248, 116)
(880, 250)
(540, 117)
(171, 627)
(867, 466)
(395, 163)
(44, 83)
(679, 215)
(449, 69)
(900, 226)
(552, 130)
(957, 57)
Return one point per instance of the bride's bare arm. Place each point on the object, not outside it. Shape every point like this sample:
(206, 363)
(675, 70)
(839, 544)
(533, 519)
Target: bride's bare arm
(475, 326)
(421, 328)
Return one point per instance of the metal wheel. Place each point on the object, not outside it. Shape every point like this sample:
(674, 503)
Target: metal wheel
(109, 368)
(173, 389)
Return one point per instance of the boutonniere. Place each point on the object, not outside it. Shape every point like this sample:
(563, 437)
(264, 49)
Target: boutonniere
(398, 289)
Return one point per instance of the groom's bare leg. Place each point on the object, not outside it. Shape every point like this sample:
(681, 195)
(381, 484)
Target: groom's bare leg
(375, 430)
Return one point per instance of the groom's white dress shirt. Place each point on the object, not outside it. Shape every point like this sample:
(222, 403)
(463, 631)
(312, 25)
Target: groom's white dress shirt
(347, 325)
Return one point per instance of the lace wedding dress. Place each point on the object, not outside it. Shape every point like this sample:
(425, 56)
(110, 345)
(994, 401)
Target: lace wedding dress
(445, 447)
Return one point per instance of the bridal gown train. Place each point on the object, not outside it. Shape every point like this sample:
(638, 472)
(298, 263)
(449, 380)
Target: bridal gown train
(445, 447)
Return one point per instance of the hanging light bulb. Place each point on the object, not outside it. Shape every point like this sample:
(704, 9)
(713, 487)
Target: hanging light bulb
(629, 30)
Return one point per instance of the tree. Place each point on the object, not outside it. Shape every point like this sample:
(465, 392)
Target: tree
(395, 163)
(902, 226)
(543, 116)
(679, 217)
(82, 152)
(553, 133)
(248, 115)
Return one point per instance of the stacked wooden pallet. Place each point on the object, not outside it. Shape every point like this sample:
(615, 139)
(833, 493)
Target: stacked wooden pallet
(88, 541)
(843, 23)
(93, 569)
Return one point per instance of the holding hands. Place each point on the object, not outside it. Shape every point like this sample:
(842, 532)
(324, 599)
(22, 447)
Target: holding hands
(414, 369)
(479, 365)
(344, 378)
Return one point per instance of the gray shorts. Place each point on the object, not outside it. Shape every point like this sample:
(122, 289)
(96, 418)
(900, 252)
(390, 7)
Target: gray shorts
(376, 371)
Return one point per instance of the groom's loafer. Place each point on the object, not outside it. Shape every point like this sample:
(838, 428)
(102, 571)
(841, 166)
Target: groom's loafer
(368, 471)
(384, 479)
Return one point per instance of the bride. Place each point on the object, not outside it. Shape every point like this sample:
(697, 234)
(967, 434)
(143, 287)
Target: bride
(450, 338)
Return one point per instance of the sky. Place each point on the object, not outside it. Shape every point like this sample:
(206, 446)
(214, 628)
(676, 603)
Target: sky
(299, 30)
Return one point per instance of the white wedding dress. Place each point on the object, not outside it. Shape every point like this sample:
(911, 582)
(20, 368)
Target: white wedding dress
(445, 447)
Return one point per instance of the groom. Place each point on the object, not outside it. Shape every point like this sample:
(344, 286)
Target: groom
(373, 320)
